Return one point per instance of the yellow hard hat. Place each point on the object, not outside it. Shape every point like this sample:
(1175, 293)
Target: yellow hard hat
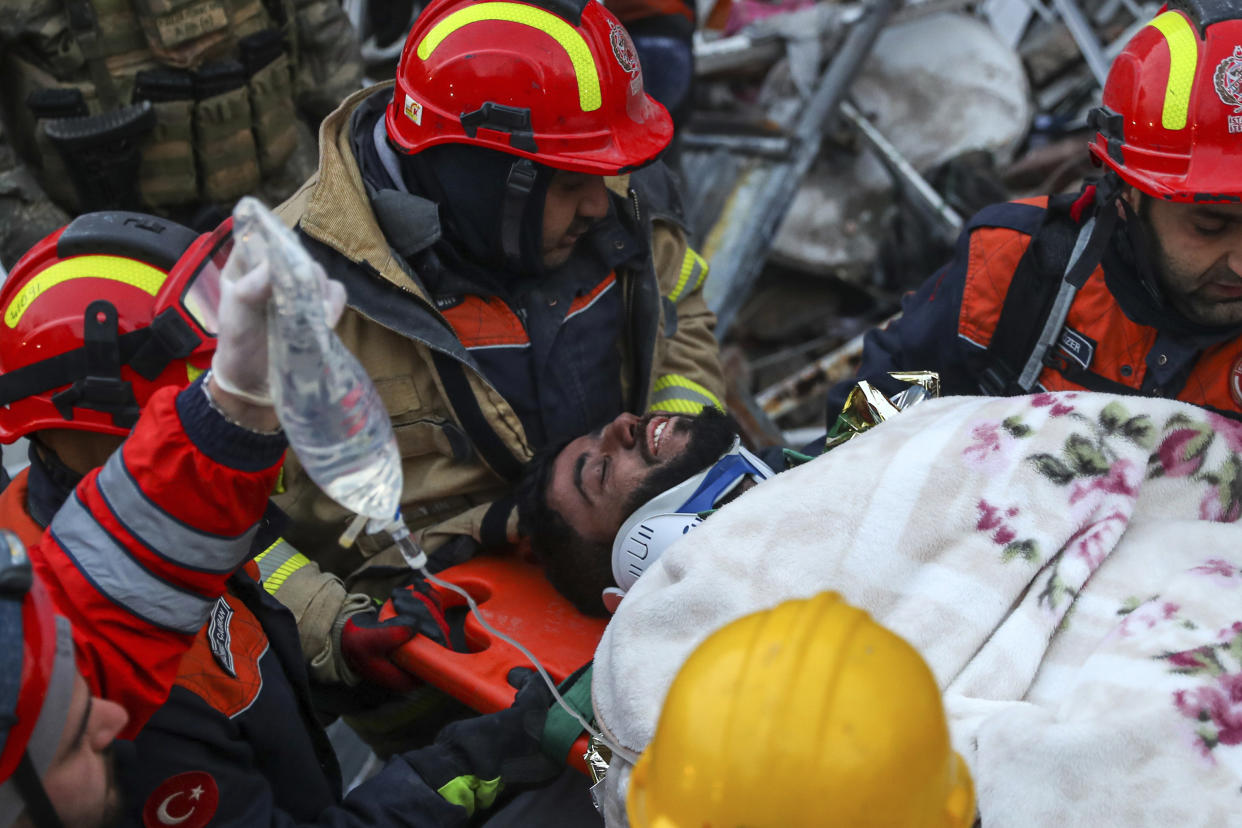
(806, 714)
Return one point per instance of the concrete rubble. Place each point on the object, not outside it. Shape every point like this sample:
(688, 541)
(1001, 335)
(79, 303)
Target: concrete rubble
(836, 148)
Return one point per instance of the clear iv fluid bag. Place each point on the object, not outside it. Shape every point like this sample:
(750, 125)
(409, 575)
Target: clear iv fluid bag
(332, 416)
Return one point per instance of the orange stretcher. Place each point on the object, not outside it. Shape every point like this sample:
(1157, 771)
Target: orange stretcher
(516, 599)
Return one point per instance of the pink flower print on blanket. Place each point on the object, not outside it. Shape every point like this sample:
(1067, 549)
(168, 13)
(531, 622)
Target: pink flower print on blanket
(986, 445)
(1181, 453)
(1122, 479)
(1143, 616)
(1215, 706)
(1221, 505)
(992, 443)
(1058, 405)
(1104, 502)
(998, 522)
(991, 446)
(1230, 430)
(1222, 572)
(1092, 543)
(1184, 452)
(1098, 476)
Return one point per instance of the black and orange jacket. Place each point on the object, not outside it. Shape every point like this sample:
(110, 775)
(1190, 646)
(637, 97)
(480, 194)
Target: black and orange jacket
(949, 322)
(239, 727)
(14, 515)
(138, 553)
(236, 742)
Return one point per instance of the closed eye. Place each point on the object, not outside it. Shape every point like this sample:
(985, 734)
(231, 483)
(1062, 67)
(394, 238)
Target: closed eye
(1210, 228)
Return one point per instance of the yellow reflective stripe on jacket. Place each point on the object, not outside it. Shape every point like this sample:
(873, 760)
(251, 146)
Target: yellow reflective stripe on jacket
(1183, 60)
(693, 274)
(277, 563)
(681, 395)
(471, 792)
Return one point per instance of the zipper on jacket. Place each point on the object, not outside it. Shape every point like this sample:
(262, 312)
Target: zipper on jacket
(638, 214)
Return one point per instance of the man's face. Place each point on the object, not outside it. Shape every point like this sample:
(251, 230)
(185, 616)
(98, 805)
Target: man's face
(81, 779)
(599, 479)
(574, 202)
(1199, 253)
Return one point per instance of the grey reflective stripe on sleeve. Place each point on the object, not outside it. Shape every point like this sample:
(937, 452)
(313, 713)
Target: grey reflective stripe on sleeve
(110, 569)
(161, 532)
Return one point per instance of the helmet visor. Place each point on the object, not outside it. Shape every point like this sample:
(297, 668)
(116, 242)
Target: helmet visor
(201, 298)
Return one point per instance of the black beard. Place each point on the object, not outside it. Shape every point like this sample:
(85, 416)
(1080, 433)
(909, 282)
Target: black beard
(711, 434)
(112, 812)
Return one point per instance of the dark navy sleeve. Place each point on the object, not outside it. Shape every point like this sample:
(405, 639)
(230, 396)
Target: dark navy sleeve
(924, 338)
(224, 442)
(193, 762)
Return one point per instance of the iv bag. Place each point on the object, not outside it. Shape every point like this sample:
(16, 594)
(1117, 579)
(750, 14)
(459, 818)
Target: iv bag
(328, 406)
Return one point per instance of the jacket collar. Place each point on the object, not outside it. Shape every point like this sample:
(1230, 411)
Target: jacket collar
(49, 484)
(339, 211)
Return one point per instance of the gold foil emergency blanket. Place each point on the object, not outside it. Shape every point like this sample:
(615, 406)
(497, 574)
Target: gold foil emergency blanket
(597, 757)
(866, 406)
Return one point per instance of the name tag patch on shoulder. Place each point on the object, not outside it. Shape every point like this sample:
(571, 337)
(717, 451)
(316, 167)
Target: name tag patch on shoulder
(1077, 347)
(219, 637)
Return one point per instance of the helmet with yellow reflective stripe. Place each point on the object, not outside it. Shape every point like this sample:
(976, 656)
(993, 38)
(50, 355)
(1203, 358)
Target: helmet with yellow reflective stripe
(555, 81)
(99, 315)
(1171, 120)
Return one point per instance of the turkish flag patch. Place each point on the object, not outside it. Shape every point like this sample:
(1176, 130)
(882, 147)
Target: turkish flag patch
(187, 800)
(1235, 381)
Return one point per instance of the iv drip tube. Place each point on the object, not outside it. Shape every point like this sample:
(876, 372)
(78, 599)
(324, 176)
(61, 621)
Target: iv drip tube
(417, 560)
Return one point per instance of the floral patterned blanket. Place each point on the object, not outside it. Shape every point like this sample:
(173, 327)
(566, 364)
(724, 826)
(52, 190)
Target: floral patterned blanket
(1070, 565)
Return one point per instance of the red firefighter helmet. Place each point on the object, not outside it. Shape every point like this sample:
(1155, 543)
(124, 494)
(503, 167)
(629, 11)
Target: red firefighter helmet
(555, 81)
(1171, 120)
(38, 648)
(99, 315)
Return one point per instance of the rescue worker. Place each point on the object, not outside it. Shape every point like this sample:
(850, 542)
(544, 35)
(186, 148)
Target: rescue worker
(802, 687)
(501, 293)
(76, 399)
(175, 108)
(91, 642)
(1134, 285)
(92, 330)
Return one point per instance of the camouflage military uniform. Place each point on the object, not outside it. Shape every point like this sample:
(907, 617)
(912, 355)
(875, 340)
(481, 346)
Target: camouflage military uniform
(211, 92)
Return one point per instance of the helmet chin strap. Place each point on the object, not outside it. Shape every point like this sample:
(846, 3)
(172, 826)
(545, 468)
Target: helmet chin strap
(1142, 250)
(518, 188)
(39, 807)
(1088, 251)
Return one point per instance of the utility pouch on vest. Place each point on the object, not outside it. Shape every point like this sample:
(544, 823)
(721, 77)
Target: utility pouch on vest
(168, 175)
(48, 105)
(101, 153)
(180, 32)
(223, 142)
(271, 98)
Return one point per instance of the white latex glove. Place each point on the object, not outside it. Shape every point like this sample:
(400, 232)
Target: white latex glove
(239, 365)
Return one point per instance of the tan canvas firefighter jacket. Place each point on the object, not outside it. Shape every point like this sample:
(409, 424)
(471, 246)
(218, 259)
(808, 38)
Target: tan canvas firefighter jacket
(460, 441)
